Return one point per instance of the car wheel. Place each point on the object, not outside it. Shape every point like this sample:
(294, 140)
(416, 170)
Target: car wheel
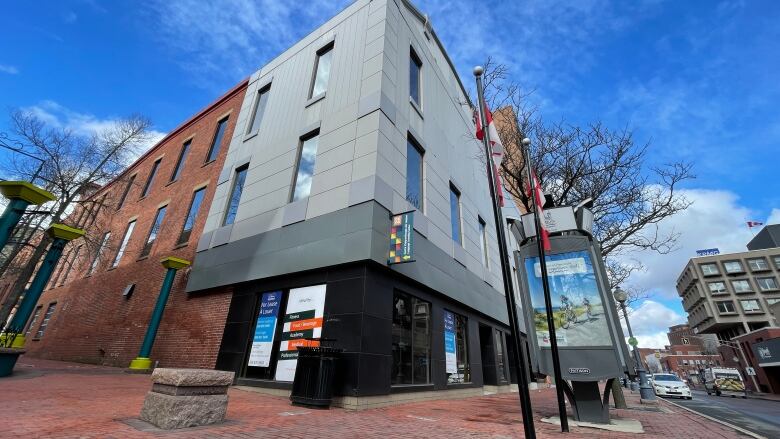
(717, 393)
(744, 396)
(688, 397)
(708, 393)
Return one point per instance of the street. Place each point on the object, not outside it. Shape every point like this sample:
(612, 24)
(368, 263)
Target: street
(757, 415)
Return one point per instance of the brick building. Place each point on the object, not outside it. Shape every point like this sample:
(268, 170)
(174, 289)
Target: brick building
(97, 305)
(767, 375)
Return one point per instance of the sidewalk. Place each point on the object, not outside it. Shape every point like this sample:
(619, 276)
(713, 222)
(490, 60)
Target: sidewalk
(49, 399)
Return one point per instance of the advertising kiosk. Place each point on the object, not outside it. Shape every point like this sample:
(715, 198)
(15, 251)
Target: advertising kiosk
(590, 340)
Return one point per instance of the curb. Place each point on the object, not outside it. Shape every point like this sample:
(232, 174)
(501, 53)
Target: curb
(732, 426)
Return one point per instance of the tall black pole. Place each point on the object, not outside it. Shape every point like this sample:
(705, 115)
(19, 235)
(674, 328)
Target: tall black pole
(509, 294)
(546, 287)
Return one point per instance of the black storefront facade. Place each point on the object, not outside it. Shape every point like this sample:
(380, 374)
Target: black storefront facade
(392, 331)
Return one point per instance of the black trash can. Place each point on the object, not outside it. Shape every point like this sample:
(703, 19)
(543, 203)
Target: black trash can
(314, 376)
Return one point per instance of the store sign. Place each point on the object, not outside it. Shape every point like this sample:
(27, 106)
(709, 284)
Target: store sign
(708, 252)
(450, 352)
(302, 320)
(401, 238)
(579, 370)
(263, 341)
(767, 352)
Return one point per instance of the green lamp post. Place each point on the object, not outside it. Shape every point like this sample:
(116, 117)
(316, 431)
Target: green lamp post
(143, 362)
(21, 194)
(62, 234)
(12, 341)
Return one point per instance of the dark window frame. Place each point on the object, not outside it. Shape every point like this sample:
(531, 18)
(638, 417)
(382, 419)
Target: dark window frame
(217, 139)
(414, 59)
(236, 177)
(156, 222)
(415, 303)
(251, 128)
(150, 179)
(299, 156)
(126, 192)
(454, 190)
(185, 234)
(45, 321)
(124, 242)
(328, 48)
(413, 144)
(177, 169)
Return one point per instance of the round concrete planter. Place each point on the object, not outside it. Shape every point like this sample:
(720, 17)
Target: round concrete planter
(8, 357)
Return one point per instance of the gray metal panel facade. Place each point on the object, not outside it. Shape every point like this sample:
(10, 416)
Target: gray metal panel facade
(363, 121)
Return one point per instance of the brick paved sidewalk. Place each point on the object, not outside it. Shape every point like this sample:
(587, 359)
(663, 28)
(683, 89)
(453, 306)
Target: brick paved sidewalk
(66, 400)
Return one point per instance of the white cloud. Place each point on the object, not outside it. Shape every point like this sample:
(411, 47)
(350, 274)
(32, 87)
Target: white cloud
(11, 70)
(774, 217)
(59, 116)
(650, 322)
(716, 219)
(216, 42)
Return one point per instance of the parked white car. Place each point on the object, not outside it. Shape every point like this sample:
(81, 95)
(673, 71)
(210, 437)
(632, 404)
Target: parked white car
(667, 384)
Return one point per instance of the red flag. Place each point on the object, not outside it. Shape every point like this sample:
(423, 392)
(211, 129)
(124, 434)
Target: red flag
(538, 200)
(497, 148)
(752, 224)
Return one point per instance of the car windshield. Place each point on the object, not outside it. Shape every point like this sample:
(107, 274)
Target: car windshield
(665, 378)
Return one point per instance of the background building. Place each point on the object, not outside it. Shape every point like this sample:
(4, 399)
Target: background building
(768, 237)
(99, 300)
(730, 294)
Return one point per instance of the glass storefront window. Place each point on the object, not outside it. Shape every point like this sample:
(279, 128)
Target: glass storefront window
(411, 340)
(500, 356)
(456, 339)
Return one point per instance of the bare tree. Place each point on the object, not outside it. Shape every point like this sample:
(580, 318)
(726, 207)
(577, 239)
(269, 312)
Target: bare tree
(573, 163)
(75, 166)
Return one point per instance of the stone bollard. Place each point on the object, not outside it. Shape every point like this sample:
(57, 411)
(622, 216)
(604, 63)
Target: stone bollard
(186, 397)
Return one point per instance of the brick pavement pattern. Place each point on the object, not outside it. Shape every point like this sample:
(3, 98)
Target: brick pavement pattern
(49, 399)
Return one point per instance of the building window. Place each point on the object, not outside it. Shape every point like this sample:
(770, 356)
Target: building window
(307, 156)
(733, 267)
(414, 173)
(31, 325)
(321, 71)
(455, 214)
(483, 242)
(99, 253)
(771, 302)
(500, 355)
(235, 195)
(180, 162)
(257, 114)
(460, 372)
(123, 245)
(70, 265)
(741, 286)
(158, 218)
(216, 142)
(767, 283)
(150, 180)
(717, 287)
(758, 264)
(415, 77)
(776, 259)
(750, 305)
(192, 215)
(45, 321)
(129, 186)
(411, 340)
(726, 307)
(709, 269)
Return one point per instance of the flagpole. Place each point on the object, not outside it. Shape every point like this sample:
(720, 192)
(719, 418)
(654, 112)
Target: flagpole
(546, 287)
(509, 294)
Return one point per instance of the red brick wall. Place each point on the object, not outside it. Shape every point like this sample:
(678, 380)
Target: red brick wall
(93, 322)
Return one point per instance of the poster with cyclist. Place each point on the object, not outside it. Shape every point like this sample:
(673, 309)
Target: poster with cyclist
(577, 307)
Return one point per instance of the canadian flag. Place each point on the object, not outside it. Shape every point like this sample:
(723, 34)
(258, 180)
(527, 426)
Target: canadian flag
(495, 145)
(538, 200)
(752, 224)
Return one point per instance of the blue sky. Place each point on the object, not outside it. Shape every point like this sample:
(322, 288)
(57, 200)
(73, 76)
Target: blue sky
(698, 79)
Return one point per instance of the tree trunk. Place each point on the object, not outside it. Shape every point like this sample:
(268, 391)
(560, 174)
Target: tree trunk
(617, 395)
(21, 281)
